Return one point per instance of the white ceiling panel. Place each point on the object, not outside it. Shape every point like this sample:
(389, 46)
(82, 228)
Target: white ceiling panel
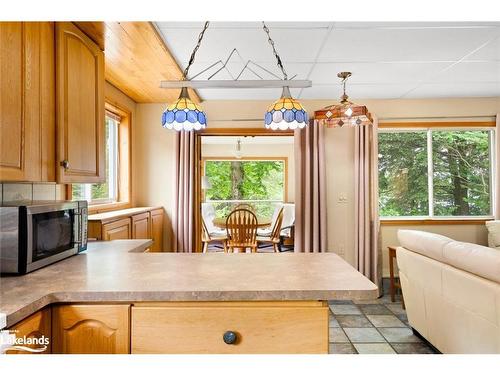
(449, 90)
(293, 44)
(470, 72)
(434, 44)
(251, 94)
(490, 52)
(388, 60)
(369, 91)
(384, 73)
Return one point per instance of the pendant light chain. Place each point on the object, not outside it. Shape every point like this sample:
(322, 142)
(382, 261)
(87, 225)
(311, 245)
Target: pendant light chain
(191, 59)
(278, 58)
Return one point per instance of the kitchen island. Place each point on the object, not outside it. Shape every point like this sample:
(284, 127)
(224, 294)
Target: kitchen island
(184, 303)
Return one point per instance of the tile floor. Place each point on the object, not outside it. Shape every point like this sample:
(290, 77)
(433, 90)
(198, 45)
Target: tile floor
(372, 327)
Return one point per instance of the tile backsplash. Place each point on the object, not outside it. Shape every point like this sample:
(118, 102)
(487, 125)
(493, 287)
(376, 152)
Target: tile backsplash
(28, 191)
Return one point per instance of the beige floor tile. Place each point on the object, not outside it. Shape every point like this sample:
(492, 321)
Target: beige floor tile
(337, 335)
(371, 348)
(385, 321)
(363, 335)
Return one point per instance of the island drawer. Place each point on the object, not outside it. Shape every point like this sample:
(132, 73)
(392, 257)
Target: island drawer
(230, 327)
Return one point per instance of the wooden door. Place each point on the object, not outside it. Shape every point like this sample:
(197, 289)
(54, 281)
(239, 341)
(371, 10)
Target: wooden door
(80, 106)
(91, 329)
(27, 106)
(117, 230)
(157, 230)
(141, 226)
(37, 326)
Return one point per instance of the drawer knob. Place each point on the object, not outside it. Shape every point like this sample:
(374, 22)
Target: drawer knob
(65, 164)
(230, 337)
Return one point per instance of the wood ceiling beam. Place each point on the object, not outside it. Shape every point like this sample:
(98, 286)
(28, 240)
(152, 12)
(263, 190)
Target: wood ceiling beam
(136, 59)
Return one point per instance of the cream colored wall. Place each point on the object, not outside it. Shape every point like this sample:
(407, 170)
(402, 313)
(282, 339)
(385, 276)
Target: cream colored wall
(154, 154)
(257, 150)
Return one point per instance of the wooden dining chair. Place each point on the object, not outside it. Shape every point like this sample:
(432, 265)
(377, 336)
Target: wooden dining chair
(241, 227)
(244, 206)
(273, 239)
(207, 238)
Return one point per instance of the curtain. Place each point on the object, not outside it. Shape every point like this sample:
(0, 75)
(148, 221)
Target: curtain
(497, 169)
(367, 225)
(185, 179)
(310, 189)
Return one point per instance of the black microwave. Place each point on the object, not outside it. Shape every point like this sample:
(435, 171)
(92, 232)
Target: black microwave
(35, 234)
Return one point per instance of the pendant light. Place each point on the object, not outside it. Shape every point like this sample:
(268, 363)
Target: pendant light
(345, 113)
(184, 114)
(287, 112)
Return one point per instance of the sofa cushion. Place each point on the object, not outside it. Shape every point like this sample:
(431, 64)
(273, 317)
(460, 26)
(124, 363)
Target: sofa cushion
(479, 260)
(493, 233)
(425, 243)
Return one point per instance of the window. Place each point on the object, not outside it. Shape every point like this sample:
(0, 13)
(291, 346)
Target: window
(115, 191)
(435, 173)
(259, 183)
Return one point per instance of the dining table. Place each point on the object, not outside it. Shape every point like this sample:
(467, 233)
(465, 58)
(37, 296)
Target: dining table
(262, 222)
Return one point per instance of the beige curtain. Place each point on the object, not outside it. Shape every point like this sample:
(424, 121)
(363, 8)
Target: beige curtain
(497, 169)
(310, 189)
(183, 221)
(367, 226)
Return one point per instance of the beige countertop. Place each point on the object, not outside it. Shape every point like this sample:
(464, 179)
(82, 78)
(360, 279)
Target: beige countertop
(116, 271)
(117, 214)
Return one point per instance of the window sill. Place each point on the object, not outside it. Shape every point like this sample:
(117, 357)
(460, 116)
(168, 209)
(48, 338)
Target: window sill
(447, 221)
(105, 207)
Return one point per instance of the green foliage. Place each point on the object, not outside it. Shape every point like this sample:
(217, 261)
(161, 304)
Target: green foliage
(461, 169)
(243, 180)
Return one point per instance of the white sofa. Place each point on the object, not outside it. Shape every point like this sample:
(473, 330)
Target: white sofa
(493, 233)
(451, 291)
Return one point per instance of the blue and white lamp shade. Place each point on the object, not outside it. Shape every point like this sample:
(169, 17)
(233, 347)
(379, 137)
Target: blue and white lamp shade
(286, 113)
(184, 114)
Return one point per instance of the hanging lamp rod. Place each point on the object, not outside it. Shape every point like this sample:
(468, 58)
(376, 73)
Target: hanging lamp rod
(236, 84)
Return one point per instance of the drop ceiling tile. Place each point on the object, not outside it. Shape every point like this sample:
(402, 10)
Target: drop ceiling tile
(368, 91)
(414, 25)
(461, 89)
(437, 44)
(368, 73)
(253, 71)
(292, 44)
(470, 72)
(243, 94)
(490, 52)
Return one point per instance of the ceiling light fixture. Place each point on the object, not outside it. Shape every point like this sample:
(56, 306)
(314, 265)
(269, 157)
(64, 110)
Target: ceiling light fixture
(287, 112)
(346, 113)
(184, 114)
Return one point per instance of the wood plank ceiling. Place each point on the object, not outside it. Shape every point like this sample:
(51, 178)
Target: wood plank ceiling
(136, 59)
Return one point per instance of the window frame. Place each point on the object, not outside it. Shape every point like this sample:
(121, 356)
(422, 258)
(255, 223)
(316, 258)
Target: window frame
(284, 159)
(429, 127)
(124, 170)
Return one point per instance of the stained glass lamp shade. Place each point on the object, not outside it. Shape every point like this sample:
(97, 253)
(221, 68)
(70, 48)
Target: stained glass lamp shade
(184, 114)
(286, 113)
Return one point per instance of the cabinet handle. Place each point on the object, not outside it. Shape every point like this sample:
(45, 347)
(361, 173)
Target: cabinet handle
(65, 164)
(230, 337)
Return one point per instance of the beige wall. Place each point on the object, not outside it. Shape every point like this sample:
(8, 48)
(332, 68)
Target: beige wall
(154, 154)
(258, 150)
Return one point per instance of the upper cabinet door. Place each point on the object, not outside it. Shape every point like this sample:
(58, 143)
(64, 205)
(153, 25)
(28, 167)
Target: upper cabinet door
(80, 107)
(27, 107)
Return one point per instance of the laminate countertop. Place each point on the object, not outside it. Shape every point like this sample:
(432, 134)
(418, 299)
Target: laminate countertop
(119, 271)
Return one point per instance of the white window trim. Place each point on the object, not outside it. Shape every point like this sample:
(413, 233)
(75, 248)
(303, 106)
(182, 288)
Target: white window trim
(430, 173)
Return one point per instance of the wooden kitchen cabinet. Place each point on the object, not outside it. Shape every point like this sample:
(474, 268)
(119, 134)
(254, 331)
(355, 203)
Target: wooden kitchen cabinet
(130, 223)
(117, 230)
(91, 329)
(80, 107)
(37, 325)
(157, 230)
(27, 101)
(141, 226)
(257, 327)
